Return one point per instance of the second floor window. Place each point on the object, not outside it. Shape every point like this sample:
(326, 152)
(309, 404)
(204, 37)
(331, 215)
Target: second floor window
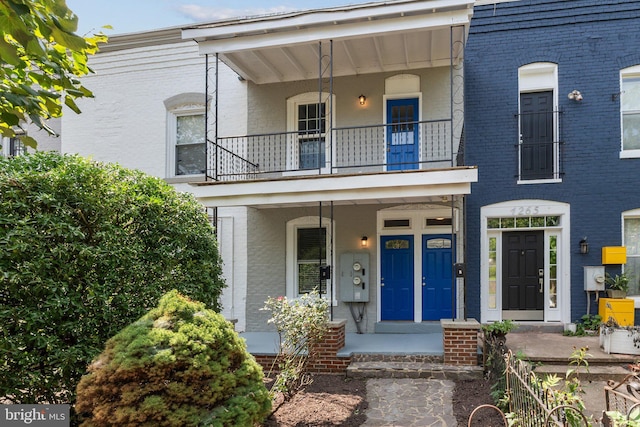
(630, 111)
(190, 145)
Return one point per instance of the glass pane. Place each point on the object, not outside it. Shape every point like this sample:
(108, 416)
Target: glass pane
(507, 223)
(312, 244)
(438, 243)
(522, 222)
(630, 93)
(312, 153)
(631, 131)
(190, 129)
(553, 221)
(632, 269)
(537, 221)
(632, 235)
(309, 278)
(397, 244)
(492, 273)
(553, 271)
(393, 223)
(190, 159)
(493, 222)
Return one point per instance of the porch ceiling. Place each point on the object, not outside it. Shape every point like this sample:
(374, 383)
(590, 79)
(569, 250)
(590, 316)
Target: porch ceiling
(367, 38)
(360, 189)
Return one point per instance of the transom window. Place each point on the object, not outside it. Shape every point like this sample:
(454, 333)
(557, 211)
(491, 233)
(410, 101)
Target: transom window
(630, 110)
(523, 222)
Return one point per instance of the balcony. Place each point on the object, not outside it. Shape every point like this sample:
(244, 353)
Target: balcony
(419, 145)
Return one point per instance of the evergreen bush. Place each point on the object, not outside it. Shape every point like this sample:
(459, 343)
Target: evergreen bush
(179, 365)
(86, 249)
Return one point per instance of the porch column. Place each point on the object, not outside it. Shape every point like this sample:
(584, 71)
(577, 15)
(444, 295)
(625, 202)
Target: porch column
(460, 339)
(325, 354)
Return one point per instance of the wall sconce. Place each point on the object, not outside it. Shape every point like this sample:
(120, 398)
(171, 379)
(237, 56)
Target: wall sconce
(575, 95)
(584, 246)
(362, 99)
(364, 241)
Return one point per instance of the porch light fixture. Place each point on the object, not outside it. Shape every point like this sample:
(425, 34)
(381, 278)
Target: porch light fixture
(584, 246)
(362, 99)
(575, 95)
(364, 241)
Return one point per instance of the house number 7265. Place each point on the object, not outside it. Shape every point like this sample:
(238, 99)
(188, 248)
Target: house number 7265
(525, 210)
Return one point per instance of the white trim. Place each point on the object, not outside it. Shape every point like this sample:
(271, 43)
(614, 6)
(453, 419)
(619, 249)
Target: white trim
(293, 157)
(528, 207)
(537, 77)
(633, 71)
(417, 218)
(630, 214)
(291, 251)
(171, 134)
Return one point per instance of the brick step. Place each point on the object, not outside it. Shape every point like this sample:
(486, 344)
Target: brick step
(399, 369)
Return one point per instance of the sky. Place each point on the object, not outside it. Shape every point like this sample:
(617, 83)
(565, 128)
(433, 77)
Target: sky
(128, 16)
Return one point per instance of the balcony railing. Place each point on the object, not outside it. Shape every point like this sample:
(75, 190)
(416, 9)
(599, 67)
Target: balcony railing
(342, 150)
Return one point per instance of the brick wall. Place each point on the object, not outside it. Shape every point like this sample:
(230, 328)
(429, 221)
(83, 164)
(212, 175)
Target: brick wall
(325, 360)
(460, 339)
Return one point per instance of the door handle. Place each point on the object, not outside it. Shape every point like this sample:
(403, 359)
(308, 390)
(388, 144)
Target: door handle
(541, 279)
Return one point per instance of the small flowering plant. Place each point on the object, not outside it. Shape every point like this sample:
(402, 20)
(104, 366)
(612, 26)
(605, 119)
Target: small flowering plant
(301, 324)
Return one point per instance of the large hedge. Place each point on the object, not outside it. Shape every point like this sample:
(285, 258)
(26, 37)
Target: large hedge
(179, 365)
(85, 249)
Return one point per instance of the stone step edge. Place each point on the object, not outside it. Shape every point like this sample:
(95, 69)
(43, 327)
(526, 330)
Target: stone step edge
(595, 372)
(412, 370)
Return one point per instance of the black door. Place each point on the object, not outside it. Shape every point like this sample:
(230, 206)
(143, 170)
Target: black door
(536, 127)
(523, 275)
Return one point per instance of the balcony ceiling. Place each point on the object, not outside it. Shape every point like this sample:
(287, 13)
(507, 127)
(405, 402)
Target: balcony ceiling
(365, 38)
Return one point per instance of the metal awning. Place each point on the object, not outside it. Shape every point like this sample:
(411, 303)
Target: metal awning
(367, 38)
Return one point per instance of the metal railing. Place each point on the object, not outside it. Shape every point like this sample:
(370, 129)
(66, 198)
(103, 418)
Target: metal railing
(623, 397)
(532, 403)
(540, 145)
(340, 150)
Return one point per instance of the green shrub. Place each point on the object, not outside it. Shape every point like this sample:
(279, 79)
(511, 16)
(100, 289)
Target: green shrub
(86, 249)
(179, 365)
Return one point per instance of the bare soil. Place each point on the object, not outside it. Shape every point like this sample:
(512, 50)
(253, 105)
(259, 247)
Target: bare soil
(333, 400)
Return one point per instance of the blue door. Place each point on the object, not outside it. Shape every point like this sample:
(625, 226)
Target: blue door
(402, 134)
(437, 267)
(396, 278)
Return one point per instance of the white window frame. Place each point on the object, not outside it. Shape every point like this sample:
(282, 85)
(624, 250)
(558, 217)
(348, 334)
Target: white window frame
(627, 72)
(292, 251)
(184, 104)
(6, 145)
(539, 77)
(293, 155)
(631, 214)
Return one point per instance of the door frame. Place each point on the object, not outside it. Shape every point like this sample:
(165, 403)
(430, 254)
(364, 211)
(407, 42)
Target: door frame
(395, 96)
(417, 215)
(524, 208)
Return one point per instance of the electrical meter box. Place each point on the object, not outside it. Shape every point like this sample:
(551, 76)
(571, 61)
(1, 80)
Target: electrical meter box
(594, 278)
(354, 277)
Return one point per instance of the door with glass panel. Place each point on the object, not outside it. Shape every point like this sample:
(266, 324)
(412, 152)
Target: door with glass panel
(311, 128)
(402, 134)
(396, 277)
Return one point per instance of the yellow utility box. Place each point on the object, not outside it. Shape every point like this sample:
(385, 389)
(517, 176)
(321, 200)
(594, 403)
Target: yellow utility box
(614, 255)
(619, 309)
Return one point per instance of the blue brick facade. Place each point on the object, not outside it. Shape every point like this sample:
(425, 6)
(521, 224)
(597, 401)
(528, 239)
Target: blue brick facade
(590, 41)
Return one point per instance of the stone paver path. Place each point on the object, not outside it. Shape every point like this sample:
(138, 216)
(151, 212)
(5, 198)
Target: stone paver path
(406, 402)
